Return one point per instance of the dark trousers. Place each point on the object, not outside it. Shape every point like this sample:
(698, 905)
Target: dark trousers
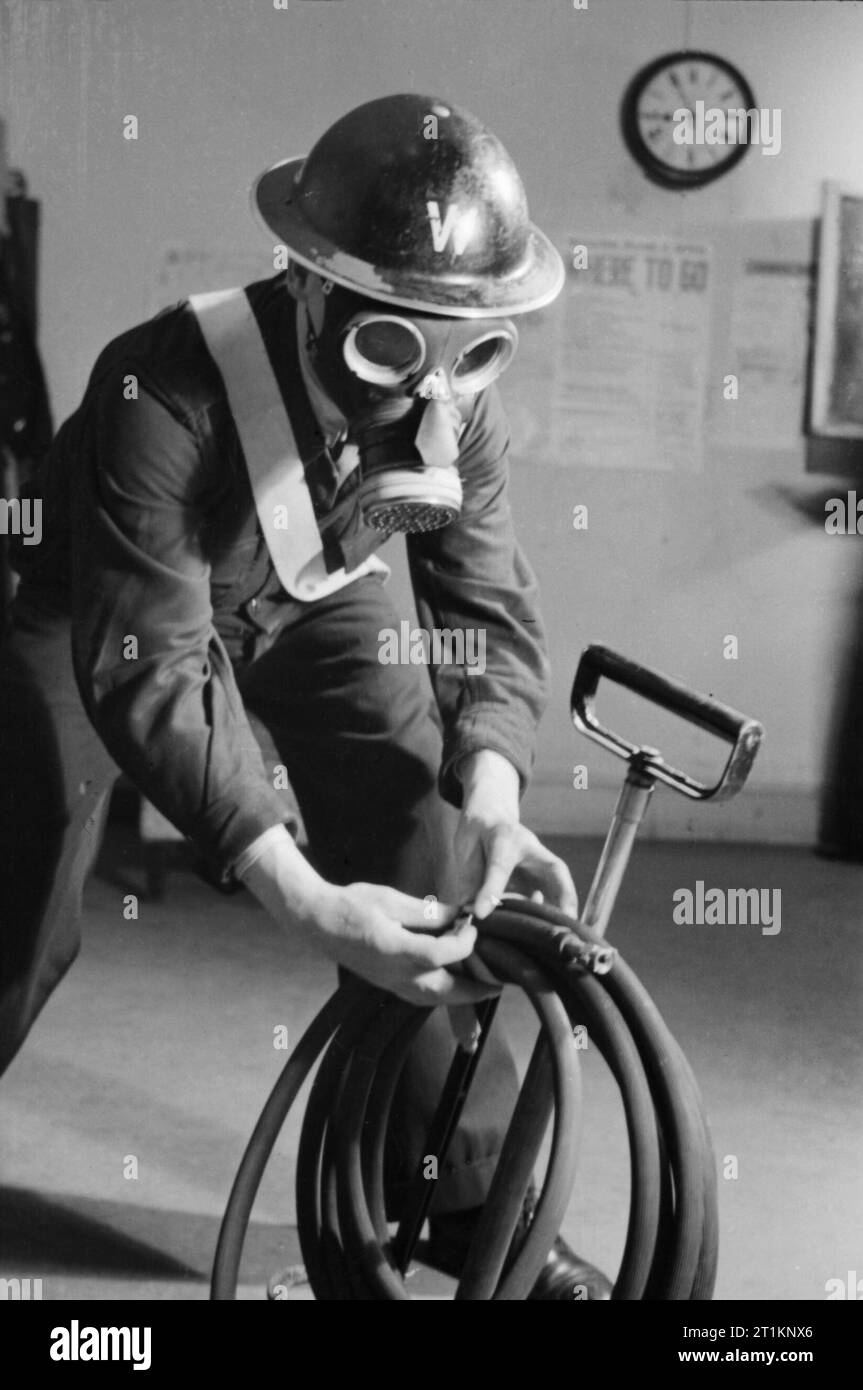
(361, 749)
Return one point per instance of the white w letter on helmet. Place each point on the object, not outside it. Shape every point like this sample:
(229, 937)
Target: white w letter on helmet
(458, 225)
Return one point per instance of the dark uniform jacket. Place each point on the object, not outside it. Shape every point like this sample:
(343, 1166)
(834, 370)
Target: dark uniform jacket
(150, 532)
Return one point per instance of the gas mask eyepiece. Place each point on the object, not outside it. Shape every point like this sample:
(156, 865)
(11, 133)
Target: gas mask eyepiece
(386, 350)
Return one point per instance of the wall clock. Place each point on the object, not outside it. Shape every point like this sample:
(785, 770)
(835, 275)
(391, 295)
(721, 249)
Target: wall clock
(703, 84)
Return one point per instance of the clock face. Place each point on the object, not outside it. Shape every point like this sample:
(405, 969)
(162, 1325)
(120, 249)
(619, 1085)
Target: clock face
(655, 119)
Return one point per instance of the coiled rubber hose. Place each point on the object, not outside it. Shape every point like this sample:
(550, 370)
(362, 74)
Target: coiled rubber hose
(671, 1243)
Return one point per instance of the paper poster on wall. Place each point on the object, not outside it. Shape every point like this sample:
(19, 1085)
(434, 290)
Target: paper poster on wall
(185, 270)
(766, 357)
(629, 388)
(837, 379)
(526, 386)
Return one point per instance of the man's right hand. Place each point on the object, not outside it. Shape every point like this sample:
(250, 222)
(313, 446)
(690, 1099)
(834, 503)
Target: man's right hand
(374, 932)
(371, 930)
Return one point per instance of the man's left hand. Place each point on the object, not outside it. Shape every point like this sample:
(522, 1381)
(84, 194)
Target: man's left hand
(491, 845)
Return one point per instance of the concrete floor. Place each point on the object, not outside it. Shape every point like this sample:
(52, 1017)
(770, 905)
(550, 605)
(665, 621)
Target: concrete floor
(158, 1047)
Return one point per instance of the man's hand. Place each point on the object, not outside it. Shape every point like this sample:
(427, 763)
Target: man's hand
(372, 931)
(491, 845)
(369, 929)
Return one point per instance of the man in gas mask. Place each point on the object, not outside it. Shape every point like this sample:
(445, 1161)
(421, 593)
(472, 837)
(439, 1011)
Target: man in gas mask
(208, 588)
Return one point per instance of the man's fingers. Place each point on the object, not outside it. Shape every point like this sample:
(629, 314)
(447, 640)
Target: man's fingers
(433, 951)
(440, 987)
(559, 887)
(416, 912)
(502, 860)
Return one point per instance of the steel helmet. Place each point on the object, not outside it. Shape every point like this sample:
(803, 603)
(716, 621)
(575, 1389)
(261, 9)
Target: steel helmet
(411, 200)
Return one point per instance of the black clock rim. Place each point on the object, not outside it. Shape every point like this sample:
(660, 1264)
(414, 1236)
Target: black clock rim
(654, 168)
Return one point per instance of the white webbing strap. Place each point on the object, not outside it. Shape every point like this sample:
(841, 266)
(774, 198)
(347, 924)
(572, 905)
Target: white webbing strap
(276, 473)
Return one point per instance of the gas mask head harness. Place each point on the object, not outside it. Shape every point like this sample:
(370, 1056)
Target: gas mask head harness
(405, 381)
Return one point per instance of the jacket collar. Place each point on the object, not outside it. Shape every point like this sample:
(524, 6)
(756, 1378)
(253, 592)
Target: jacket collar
(330, 419)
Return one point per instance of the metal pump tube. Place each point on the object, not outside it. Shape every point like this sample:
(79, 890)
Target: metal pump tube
(628, 814)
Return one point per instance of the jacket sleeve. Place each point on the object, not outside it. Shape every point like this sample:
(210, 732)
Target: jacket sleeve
(154, 676)
(473, 576)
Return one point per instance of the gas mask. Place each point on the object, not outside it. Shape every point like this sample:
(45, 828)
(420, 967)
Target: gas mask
(405, 382)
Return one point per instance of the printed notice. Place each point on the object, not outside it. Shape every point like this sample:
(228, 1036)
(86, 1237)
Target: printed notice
(629, 389)
(769, 343)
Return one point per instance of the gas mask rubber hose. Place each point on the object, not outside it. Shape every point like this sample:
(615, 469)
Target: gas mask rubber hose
(571, 978)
